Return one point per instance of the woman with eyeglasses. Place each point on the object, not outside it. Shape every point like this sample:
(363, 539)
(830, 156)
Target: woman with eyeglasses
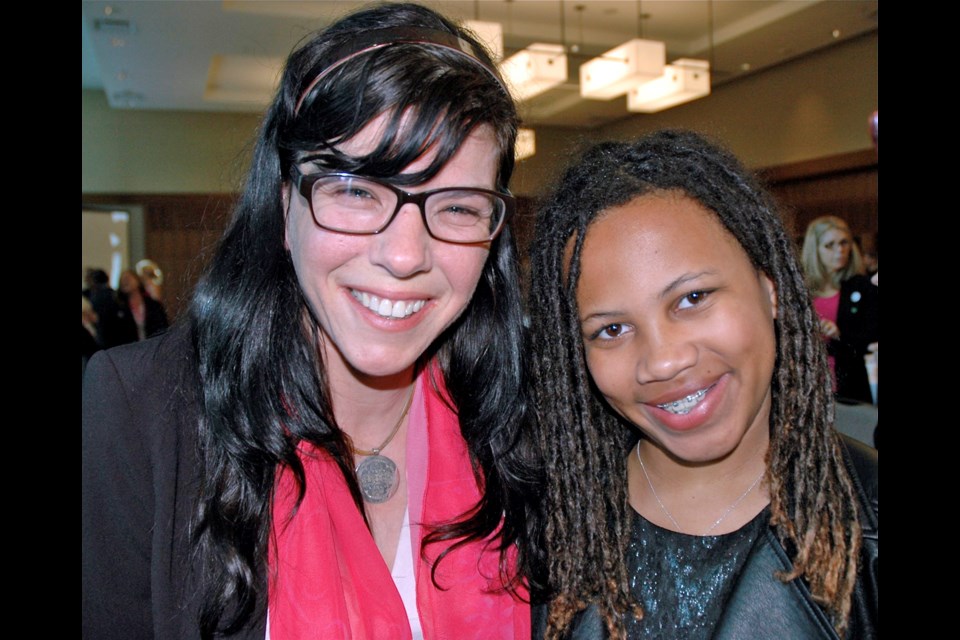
(329, 446)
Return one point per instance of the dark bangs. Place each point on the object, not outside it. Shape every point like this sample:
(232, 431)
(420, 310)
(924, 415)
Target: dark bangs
(434, 97)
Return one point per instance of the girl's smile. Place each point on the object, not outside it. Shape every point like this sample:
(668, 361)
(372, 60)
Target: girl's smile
(678, 327)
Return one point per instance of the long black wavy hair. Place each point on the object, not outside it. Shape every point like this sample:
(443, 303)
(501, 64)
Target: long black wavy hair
(586, 520)
(261, 382)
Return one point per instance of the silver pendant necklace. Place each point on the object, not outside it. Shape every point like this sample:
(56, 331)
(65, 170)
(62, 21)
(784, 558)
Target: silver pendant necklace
(673, 520)
(376, 473)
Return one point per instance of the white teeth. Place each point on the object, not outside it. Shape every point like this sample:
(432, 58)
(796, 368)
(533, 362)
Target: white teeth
(684, 406)
(388, 308)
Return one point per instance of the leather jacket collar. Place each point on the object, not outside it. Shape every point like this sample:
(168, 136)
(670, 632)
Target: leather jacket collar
(761, 606)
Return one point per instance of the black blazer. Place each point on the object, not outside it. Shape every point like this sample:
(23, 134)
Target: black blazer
(140, 481)
(858, 319)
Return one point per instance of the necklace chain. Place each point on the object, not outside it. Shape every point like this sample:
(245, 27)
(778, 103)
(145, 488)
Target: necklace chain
(376, 451)
(673, 520)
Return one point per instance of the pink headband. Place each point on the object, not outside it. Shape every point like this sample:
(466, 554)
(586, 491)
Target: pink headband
(378, 38)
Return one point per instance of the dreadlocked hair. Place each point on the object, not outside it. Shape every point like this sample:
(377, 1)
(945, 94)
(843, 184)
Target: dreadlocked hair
(586, 522)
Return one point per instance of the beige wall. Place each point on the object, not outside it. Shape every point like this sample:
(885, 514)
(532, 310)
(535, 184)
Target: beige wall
(131, 151)
(810, 108)
(807, 109)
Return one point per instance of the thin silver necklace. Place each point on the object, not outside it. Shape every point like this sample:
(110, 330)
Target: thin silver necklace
(376, 473)
(673, 520)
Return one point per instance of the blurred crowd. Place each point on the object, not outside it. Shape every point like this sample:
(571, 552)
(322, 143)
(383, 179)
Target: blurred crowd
(111, 317)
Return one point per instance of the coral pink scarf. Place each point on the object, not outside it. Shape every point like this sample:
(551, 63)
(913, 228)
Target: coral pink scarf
(328, 579)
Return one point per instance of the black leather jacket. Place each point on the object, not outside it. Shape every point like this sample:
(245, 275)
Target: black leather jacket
(761, 606)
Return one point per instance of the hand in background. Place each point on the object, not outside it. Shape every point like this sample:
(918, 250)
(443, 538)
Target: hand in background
(829, 329)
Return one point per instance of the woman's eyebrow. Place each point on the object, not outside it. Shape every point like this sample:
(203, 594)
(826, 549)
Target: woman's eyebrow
(599, 315)
(670, 288)
(682, 280)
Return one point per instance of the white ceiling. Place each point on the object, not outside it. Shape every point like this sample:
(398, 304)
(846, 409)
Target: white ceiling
(206, 55)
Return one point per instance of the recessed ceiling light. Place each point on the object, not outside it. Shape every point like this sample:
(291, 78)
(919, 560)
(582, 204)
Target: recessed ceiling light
(836, 33)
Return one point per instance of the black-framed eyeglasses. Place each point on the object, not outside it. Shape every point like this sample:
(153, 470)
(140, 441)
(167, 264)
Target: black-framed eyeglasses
(348, 203)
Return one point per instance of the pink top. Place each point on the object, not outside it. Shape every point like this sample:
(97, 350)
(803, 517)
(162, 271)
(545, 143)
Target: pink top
(828, 308)
(328, 579)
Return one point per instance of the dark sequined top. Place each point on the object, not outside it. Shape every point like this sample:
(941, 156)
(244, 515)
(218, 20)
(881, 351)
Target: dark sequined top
(683, 581)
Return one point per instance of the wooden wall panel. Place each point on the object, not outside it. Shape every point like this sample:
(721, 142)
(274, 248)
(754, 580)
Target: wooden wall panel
(181, 230)
(846, 186)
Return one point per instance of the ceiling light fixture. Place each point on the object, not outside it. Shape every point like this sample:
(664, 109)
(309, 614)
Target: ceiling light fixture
(682, 81)
(536, 69)
(621, 69)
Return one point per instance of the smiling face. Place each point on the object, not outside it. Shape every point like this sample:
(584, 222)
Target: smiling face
(678, 327)
(382, 300)
(834, 250)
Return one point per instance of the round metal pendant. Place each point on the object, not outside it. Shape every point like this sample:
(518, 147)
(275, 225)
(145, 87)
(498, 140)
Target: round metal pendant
(378, 479)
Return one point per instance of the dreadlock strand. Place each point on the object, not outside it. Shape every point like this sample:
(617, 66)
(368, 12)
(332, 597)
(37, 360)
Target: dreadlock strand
(812, 504)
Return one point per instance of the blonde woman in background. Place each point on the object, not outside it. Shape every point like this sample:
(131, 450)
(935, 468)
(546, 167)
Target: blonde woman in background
(846, 301)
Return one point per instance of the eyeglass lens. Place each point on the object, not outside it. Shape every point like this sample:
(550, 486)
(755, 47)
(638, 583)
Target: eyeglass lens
(357, 205)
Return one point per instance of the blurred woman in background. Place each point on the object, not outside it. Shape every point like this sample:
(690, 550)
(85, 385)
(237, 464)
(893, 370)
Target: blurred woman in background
(148, 314)
(152, 277)
(846, 301)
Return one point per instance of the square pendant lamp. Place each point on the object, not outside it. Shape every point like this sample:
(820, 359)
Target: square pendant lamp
(682, 81)
(538, 68)
(617, 71)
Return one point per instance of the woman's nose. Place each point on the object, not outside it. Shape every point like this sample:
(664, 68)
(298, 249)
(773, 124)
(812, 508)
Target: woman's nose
(403, 248)
(664, 353)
